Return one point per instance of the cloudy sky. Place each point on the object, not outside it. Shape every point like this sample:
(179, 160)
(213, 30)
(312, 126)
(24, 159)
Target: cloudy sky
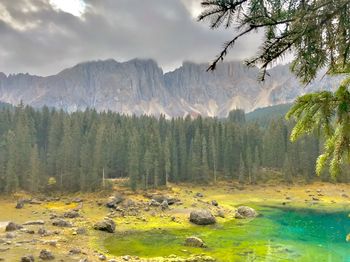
(44, 36)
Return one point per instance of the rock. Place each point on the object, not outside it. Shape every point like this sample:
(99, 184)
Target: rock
(199, 194)
(10, 235)
(20, 204)
(77, 200)
(35, 202)
(315, 199)
(11, 226)
(114, 201)
(84, 260)
(71, 214)
(107, 225)
(42, 231)
(46, 255)
(28, 231)
(81, 231)
(194, 242)
(102, 257)
(202, 217)
(29, 258)
(74, 251)
(345, 195)
(221, 213)
(61, 223)
(215, 203)
(126, 258)
(154, 203)
(51, 243)
(35, 222)
(245, 212)
(164, 205)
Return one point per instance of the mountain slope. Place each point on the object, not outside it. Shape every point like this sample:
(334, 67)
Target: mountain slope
(140, 87)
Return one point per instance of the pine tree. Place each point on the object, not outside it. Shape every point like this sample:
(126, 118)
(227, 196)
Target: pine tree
(35, 170)
(11, 180)
(242, 170)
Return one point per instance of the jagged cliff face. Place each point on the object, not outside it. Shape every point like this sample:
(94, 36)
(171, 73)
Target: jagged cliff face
(141, 87)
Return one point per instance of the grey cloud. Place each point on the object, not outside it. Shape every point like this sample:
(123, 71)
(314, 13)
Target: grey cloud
(164, 30)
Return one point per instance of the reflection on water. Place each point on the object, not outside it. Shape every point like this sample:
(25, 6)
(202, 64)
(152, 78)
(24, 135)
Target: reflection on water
(279, 235)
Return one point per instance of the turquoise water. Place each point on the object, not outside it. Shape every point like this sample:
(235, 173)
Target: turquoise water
(278, 235)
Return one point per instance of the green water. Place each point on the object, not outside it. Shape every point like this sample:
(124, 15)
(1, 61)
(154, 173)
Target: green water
(279, 235)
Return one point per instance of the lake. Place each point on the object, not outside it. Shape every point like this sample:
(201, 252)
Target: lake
(280, 234)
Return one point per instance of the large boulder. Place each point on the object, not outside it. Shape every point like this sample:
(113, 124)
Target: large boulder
(11, 226)
(107, 225)
(114, 201)
(245, 212)
(202, 217)
(194, 242)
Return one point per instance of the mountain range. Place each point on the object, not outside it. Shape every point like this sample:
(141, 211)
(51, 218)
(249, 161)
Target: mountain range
(140, 86)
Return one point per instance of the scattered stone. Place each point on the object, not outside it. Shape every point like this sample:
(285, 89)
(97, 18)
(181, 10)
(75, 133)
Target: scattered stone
(194, 242)
(164, 205)
(154, 203)
(29, 258)
(51, 243)
(81, 231)
(46, 255)
(245, 212)
(315, 199)
(11, 226)
(28, 231)
(77, 200)
(34, 223)
(35, 202)
(61, 223)
(221, 213)
(71, 214)
(199, 194)
(126, 258)
(215, 203)
(114, 201)
(84, 260)
(10, 235)
(74, 251)
(345, 195)
(107, 225)
(20, 204)
(42, 231)
(102, 257)
(202, 217)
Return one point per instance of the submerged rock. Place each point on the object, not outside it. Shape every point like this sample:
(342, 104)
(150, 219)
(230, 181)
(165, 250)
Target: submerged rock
(245, 212)
(194, 242)
(202, 217)
(107, 225)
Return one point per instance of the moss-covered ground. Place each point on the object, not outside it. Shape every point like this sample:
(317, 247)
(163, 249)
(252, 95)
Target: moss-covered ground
(151, 234)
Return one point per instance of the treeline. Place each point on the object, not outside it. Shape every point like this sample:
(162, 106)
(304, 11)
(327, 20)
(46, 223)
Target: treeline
(46, 149)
